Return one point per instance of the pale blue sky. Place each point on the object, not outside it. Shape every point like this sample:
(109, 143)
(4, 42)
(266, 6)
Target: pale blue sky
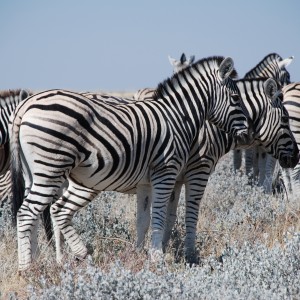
(123, 45)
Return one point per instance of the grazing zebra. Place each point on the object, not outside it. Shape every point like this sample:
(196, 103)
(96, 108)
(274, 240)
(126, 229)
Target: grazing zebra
(178, 65)
(291, 177)
(272, 66)
(271, 129)
(98, 146)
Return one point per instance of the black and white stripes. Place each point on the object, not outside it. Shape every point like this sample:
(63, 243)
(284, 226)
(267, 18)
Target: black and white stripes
(59, 135)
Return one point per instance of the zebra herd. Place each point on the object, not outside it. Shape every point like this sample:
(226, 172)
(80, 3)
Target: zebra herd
(149, 145)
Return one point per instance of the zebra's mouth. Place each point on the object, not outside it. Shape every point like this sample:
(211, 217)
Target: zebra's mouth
(289, 161)
(242, 138)
(246, 136)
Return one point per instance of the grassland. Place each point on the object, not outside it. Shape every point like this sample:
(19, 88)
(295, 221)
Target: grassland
(248, 244)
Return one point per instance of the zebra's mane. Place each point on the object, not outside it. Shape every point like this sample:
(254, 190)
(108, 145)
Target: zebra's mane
(262, 64)
(263, 79)
(161, 88)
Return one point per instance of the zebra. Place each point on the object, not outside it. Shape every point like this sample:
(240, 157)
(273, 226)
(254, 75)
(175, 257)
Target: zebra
(178, 65)
(291, 178)
(263, 101)
(182, 63)
(5, 188)
(99, 146)
(9, 99)
(272, 66)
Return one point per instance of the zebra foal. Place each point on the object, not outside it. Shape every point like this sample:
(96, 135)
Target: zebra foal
(98, 146)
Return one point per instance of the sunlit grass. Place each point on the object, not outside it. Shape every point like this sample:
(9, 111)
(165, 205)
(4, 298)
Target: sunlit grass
(248, 244)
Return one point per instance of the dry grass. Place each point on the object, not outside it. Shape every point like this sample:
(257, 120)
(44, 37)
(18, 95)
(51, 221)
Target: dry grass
(224, 220)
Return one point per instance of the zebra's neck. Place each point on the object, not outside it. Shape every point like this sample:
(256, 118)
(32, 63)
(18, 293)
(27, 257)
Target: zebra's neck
(187, 107)
(268, 67)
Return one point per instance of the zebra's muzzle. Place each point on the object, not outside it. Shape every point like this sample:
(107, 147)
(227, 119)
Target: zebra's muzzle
(290, 161)
(246, 136)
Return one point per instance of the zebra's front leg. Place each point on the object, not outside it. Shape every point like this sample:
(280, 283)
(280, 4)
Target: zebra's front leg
(143, 213)
(171, 213)
(194, 191)
(162, 189)
(237, 160)
(62, 211)
(270, 165)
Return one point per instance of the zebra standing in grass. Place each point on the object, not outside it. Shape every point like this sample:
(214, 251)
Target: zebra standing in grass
(178, 65)
(9, 99)
(291, 178)
(98, 146)
(271, 130)
(272, 66)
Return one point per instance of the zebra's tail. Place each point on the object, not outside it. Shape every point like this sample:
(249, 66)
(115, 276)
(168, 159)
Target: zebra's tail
(17, 181)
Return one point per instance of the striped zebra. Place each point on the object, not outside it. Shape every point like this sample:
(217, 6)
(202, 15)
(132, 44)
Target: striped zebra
(5, 188)
(272, 66)
(271, 128)
(291, 177)
(178, 65)
(98, 146)
(9, 99)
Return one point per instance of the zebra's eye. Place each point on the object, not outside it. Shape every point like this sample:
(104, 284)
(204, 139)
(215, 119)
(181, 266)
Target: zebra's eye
(285, 119)
(235, 97)
(280, 97)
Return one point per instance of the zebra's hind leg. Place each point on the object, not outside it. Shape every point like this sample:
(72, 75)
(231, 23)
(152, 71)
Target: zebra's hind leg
(62, 211)
(27, 218)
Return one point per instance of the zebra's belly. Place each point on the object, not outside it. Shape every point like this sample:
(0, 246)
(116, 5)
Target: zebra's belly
(107, 180)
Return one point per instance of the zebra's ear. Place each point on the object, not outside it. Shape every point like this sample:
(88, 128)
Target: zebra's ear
(270, 87)
(191, 59)
(172, 61)
(182, 58)
(24, 94)
(226, 67)
(285, 62)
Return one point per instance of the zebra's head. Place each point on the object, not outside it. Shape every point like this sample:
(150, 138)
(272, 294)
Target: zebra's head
(182, 63)
(229, 111)
(284, 75)
(272, 66)
(263, 100)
